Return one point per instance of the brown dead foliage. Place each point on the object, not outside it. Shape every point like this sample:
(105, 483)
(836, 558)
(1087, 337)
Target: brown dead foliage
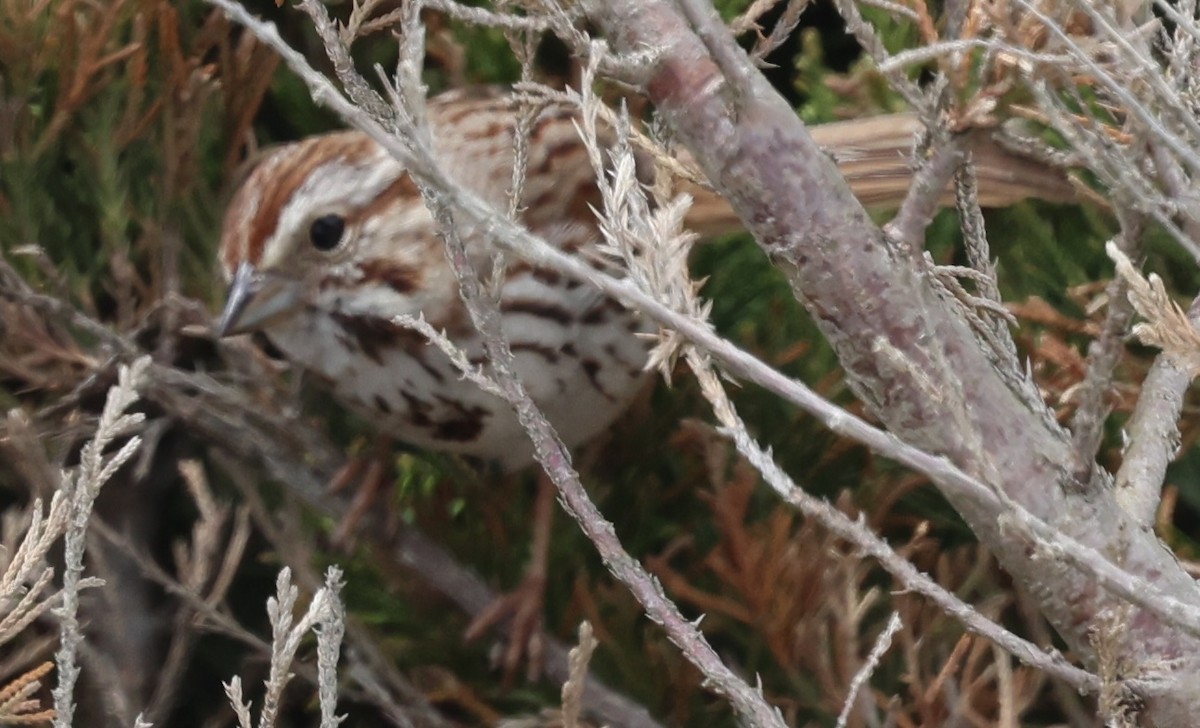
(817, 607)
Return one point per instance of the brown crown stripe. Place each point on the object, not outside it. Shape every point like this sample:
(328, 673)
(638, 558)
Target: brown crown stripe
(286, 170)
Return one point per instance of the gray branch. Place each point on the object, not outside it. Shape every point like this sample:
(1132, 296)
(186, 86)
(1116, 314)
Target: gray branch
(909, 357)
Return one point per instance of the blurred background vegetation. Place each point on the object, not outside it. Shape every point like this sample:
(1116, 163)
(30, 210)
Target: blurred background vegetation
(125, 124)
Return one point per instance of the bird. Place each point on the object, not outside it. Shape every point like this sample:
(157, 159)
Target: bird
(328, 240)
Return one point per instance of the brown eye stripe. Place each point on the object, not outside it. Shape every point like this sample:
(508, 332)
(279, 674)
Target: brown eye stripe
(273, 184)
(374, 337)
(287, 170)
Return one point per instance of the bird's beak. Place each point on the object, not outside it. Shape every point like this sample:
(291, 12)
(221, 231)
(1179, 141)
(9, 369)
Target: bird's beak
(256, 299)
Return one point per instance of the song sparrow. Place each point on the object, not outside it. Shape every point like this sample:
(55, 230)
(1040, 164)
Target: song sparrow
(328, 240)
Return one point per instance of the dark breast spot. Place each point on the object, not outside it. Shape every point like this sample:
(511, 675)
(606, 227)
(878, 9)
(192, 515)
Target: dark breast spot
(599, 313)
(592, 369)
(546, 277)
(615, 356)
(375, 336)
(463, 425)
(419, 357)
(540, 309)
(459, 430)
(418, 409)
(400, 278)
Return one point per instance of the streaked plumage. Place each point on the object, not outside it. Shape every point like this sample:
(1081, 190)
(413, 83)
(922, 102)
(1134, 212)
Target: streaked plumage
(328, 240)
(575, 349)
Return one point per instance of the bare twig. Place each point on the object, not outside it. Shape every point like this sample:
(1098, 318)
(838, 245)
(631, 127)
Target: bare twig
(1153, 425)
(929, 184)
(882, 644)
(548, 449)
(1104, 353)
(80, 491)
(969, 493)
(572, 689)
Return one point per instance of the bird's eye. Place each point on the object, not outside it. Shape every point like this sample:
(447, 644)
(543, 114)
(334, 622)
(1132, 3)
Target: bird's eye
(326, 231)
